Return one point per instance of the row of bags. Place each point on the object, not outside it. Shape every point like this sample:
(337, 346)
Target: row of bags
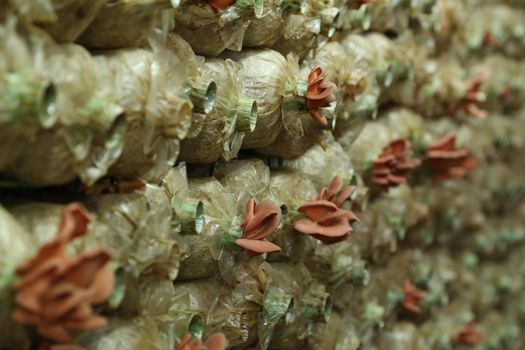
(467, 28)
(219, 105)
(206, 206)
(132, 127)
(209, 26)
(496, 138)
(287, 26)
(297, 180)
(485, 28)
(221, 206)
(72, 112)
(322, 162)
(254, 296)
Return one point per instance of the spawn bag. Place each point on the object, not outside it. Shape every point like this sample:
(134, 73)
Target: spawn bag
(267, 78)
(124, 23)
(293, 190)
(294, 142)
(265, 30)
(193, 301)
(321, 163)
(72, 18)
(93, 120)
(358, 91)
(302, 127)
(247, 303)
(118, 223)
(310, 306)
(402, 336)
(210, 31)
(503, 188)
(27, 99)
(157, 107)
(308, 24)
(136, 227)
(219, 210)
(200, 86)
(222, 130)
(456, 207)
(391, 62)
(249, 178)
(80, 124)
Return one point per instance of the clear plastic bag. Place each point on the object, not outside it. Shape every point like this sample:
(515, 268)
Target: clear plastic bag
(124, 23)
(70, 129)
(139, 242)
(443, 87)
(304, 124)
(93, 121)
(390, 62)
(205, 245)
(210, 32)
(265, 30)
(355, 81)
(222, 130)
(306, 27)
(401, 16)
(156, 106)
(321, 163)
(403, 336)
(39, 10)
(267, 77)
(504, 90)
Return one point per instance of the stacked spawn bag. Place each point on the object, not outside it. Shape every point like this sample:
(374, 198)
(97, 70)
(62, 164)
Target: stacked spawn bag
(358, 90)
(158, 106)
(307, 26)
(434, 261)
(301, 127)
(211, 27)
(124, 23)
(55, 128)
(284, 126)
(220, 132)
